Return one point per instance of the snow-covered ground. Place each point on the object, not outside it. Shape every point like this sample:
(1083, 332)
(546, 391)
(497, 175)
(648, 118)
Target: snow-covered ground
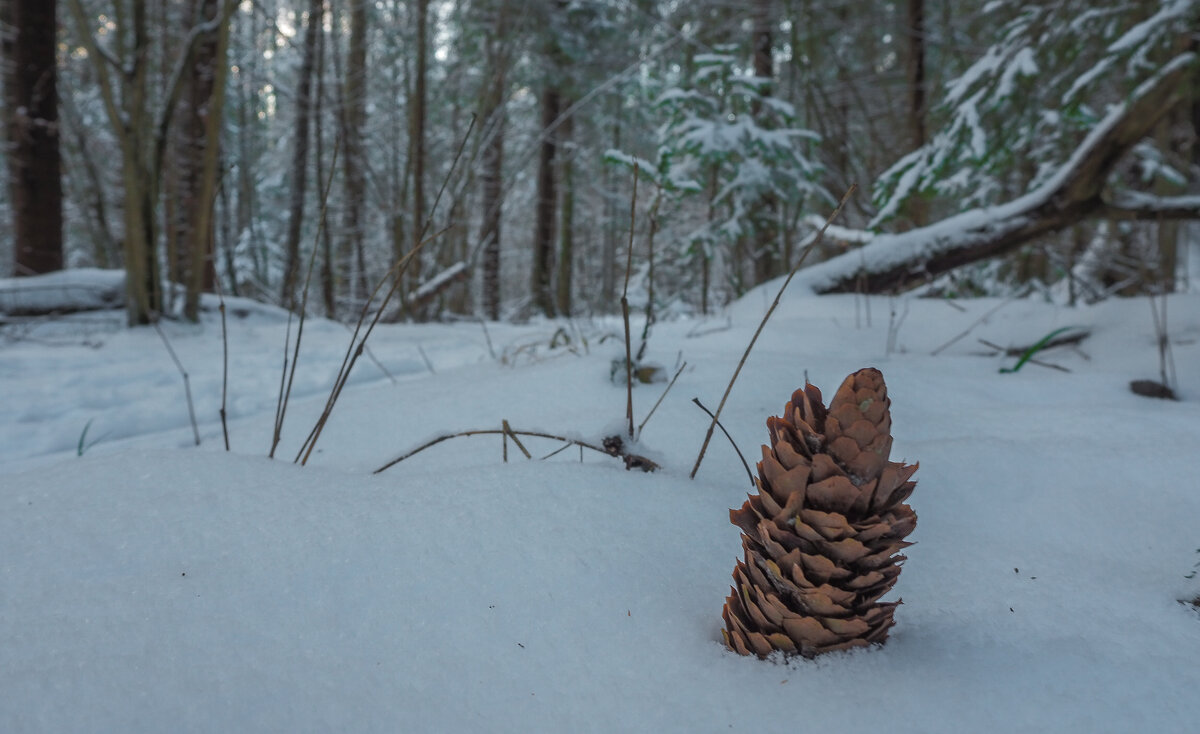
(151, 585)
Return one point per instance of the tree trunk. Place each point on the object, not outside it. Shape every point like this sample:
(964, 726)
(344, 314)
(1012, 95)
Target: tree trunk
(918, 211)
(547, 199)
(765, 246)
(326, 240)
(491, 177)
(300, 156)
(417, 136)
(31, 107)
(354, 100)
(566, 238)
(197, 151)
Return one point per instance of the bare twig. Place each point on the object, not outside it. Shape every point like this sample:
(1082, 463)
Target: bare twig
(1031, 360)
(356, 346)
(285, 396)
(492, 432)
(977, 322)
(425, 358)
(820, 235)
(670, 385)
(731, 442)
(488, 338)
(509, 432)
(187, 383)
(224, 357)
(625, 305)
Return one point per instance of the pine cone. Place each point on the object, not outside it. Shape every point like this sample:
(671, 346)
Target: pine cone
(821, 536)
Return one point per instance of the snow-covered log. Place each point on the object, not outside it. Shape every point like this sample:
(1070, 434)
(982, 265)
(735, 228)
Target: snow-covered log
(895, 261)
(63, 291)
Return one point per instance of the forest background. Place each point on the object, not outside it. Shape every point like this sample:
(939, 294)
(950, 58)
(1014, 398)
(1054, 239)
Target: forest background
(217, 142)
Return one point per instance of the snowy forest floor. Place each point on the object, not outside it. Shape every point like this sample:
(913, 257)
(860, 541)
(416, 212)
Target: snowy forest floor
(150, 585)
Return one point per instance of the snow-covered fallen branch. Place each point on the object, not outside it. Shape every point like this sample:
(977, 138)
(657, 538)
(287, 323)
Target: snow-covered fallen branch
(896, 261)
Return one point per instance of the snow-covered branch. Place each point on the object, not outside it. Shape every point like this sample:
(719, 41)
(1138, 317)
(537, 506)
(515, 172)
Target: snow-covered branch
(896, 261)
(1139, 206)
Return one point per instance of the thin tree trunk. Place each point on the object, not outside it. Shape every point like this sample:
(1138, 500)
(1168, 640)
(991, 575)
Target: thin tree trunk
(566, 235)
(547, 199)
(198, 154)
(300, 156)
(608, 257)
(31, 109)
(354, 101)
(327, 270)
(918, 211)
(491, 176)
(104, 243)
(765, 250)
(417, 134)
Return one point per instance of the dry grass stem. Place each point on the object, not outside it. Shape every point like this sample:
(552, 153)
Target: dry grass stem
(187, 383)
(286, 394)
(658, 402)
(774, 304)
(746, 464)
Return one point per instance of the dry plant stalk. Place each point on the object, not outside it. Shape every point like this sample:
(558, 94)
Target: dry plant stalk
(187, 382)
(822, 535)
(613, 446)
(729, 388)
(285, 385)
(357, 346)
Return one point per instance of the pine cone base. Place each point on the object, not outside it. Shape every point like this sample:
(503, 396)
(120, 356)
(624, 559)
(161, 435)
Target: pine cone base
(822, 536)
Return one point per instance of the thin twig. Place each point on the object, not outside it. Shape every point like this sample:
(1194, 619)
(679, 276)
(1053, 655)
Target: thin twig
(312, 259)
(355, 350)
(1031, 360)
(425, 357)
(977, 322)
(731, 442)
(509, 431)
(488, 338)
(670, 385)
(187, 383)
(820, 236)
(490, 432)
(224, 355)
(625, 305)
(559, 450)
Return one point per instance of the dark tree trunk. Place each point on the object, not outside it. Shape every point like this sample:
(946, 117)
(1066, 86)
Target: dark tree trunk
(547, 200)
(765, 248)
(417, 136)
(354, 98)
(300, 155)
(917, 211)
(31, 105)
(491, 183)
